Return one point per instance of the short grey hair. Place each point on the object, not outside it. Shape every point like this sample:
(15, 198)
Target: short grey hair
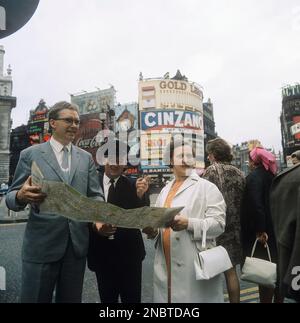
(59, 106)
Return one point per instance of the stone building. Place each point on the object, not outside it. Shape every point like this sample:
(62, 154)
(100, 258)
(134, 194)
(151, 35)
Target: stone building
(7, 103)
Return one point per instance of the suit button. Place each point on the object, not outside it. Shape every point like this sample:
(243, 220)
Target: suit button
(179, 265)
(177, 238)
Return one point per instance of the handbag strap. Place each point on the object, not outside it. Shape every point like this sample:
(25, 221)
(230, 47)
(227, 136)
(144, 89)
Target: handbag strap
(254, 247)
(203, 245)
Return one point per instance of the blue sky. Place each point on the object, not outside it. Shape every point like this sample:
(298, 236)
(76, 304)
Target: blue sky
(241, 52)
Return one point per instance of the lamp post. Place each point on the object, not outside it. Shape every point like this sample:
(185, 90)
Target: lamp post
(102, 117)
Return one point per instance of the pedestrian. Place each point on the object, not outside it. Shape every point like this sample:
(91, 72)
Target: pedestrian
(116, 254)
(256, 221)
(177, 246)
(231, 182)
(54, 248)
(284, 203)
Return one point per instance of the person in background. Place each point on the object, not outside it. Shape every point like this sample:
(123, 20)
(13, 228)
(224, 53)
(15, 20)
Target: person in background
(284, 202)
(231, 182)
(177, 246)
(256, 221)
(54, 247)
(116, 254)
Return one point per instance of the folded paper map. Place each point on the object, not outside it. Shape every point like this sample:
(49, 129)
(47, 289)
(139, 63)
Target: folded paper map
(76, 206)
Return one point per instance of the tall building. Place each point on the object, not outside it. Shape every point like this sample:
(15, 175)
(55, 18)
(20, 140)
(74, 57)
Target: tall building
(290, 119)
(169, 107)
(209, 126)
(7, 103)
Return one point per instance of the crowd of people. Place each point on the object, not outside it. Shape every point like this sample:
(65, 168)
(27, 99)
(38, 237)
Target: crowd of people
(221, 207)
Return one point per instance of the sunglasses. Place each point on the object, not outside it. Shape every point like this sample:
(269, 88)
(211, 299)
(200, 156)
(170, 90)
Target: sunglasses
(70, 121)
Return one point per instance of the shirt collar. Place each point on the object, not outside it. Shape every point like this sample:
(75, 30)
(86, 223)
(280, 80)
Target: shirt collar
(106, 180)
(57, 146)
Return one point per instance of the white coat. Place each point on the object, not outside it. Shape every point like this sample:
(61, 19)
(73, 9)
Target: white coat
(202, 202)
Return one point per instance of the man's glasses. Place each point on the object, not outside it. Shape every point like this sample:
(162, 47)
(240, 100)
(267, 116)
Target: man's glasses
(70, 121)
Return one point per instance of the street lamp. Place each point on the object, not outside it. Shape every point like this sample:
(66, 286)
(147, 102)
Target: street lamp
(102, 117)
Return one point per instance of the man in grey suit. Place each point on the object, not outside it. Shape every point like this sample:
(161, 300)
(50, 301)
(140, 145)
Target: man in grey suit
(54, 248)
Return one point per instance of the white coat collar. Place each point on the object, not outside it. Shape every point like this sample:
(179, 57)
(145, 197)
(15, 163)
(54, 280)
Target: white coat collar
(190, 181)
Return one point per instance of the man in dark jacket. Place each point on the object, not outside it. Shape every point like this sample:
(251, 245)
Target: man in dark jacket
(116, 254)
(285, 201)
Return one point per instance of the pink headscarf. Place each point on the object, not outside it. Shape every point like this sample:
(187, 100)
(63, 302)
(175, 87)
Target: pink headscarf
(261, 156)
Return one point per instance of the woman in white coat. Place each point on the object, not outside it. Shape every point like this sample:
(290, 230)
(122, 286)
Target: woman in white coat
(174, 273)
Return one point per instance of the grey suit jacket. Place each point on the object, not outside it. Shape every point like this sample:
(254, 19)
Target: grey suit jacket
(46, 235)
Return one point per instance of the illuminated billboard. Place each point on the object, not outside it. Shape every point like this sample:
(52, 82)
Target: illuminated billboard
(169, 107)
(98, 101)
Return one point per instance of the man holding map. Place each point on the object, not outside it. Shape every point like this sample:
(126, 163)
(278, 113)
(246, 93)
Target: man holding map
(54, 247)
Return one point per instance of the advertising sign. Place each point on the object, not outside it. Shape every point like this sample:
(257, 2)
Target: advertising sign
(173, 119)
(126, 117)
(36, 128)
(291, 90)
(169, 94)
(40, 117)
(98, 101)
(153, 146)
(295, 129)
(169, 107)
(157, 129)
(86, 137)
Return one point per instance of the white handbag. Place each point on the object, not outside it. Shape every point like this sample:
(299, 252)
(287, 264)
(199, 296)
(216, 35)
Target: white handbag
(211, 262)
(259, 271)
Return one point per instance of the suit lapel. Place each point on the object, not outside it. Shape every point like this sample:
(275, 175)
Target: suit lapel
(101, 179)
(75, 158)
(50, 158)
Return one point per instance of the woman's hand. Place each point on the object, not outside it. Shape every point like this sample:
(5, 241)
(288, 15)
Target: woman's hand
(179, 223)
(262, 238)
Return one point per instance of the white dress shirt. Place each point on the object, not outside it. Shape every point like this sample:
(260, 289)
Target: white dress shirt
(107, 183)
(57, 148)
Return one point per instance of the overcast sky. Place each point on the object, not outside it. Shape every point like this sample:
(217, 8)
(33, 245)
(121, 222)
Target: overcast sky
(241, 52)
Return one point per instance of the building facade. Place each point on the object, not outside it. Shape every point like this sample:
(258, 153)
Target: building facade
(209, 126)
(241, 154)
(290, 120)
(19, 140)
(7, 103)
(38, 125)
